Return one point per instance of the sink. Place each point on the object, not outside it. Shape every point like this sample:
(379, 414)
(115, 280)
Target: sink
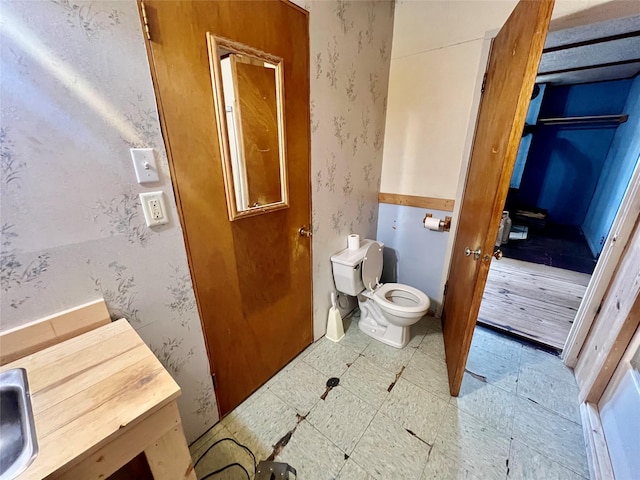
(18, 444)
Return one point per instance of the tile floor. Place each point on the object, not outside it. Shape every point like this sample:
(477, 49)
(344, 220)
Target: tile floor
(391, 415)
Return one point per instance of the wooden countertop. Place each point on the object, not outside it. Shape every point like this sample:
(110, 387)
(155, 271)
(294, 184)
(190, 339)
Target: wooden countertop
(85, 390)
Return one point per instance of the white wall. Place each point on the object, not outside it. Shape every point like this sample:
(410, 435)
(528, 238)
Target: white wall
(439, 52)
(425, 132)
(434, 61)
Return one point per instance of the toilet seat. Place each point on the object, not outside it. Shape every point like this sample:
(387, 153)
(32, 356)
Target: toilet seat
(401, 299)
(397, 298)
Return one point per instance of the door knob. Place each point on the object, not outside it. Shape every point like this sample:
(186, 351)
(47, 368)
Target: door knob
(476, 253)
(305, 232)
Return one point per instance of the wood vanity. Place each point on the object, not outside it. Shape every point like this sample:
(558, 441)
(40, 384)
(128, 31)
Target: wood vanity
(100, 400)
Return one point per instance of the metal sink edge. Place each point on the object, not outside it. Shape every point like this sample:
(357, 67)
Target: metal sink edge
(16, 379)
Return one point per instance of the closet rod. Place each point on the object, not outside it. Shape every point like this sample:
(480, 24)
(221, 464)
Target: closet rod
(585, 120)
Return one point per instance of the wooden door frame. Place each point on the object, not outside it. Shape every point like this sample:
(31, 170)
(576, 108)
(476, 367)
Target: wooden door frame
(605, 352)
(613, 328)
(598, 457)
(598, 374)
(614, 246)
(628, 214)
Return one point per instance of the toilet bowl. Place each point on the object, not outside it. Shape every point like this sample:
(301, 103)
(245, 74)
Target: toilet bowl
(387, 311)
(400, 303)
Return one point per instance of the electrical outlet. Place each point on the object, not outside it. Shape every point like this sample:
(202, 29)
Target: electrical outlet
(156, 209)
(153, 208)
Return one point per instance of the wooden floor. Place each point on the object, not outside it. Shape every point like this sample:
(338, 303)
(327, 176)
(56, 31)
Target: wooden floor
(533, 301)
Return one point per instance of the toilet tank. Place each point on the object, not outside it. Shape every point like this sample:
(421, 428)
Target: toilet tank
(347, 269)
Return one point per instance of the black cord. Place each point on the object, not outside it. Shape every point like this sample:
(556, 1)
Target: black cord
(255, 463)
(220, 470)
(235, 464)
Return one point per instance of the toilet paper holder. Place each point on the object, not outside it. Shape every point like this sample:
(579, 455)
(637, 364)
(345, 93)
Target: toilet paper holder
(445, 225)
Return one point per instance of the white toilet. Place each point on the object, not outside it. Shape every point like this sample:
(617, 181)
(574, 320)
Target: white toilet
(386, 311)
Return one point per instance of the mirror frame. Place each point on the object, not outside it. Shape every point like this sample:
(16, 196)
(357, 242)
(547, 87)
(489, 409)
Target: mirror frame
(213, 42)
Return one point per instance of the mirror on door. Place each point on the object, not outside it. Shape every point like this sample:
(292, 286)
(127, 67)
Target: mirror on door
(249, 98)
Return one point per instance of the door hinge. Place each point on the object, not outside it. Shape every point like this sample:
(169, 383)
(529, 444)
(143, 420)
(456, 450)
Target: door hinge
(484, 80)
(213, 380)
(145, 20)
(446, 285)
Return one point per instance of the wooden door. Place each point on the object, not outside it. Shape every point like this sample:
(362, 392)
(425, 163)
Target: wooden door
(511, 72)
(252, 276)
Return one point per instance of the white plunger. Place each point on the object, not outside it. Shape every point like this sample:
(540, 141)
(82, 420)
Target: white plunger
(335, 329)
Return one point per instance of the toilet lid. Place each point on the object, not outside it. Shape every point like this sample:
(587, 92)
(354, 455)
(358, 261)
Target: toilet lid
(372, 266)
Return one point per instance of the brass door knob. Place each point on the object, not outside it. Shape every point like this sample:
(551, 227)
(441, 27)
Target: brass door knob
(305, 232)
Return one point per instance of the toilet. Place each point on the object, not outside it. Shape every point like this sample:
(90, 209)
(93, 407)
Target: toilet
(388, 310)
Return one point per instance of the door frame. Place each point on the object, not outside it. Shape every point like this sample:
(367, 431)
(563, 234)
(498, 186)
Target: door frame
(598, 456)
(614, 246)
(598, 459)
(621, 229)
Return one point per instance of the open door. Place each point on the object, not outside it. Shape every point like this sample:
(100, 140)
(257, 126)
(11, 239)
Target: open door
(511, 72)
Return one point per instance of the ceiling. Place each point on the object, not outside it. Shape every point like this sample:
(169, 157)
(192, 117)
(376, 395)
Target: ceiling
(607, 50)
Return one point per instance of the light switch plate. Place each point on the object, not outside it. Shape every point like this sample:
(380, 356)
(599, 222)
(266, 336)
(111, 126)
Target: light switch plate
(144, 163)
(153, 207)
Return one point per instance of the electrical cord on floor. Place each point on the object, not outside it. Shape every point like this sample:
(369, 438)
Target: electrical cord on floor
(234, 464)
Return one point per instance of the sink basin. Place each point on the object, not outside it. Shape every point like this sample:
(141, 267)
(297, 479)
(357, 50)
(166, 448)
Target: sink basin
(18, 444)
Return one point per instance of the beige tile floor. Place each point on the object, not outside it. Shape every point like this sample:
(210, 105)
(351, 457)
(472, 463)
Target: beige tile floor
(391, 416)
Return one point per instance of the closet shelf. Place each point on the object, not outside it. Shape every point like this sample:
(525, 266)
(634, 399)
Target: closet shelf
(613, 120)
(584, 120)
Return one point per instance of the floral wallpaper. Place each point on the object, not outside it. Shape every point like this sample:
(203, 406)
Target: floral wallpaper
(76, 95)
(350, 58)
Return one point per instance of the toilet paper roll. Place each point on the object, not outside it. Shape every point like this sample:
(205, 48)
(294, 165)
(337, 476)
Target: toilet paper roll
(353, 241)
(432, 223)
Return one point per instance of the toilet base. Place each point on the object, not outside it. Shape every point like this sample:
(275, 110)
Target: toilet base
(392, 335)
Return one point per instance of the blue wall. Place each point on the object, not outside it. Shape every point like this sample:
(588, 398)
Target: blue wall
(618, 169)
(565, 163)
(413, 255)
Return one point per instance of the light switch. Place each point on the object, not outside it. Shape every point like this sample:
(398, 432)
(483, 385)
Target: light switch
(144, 163)
(153, 208)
